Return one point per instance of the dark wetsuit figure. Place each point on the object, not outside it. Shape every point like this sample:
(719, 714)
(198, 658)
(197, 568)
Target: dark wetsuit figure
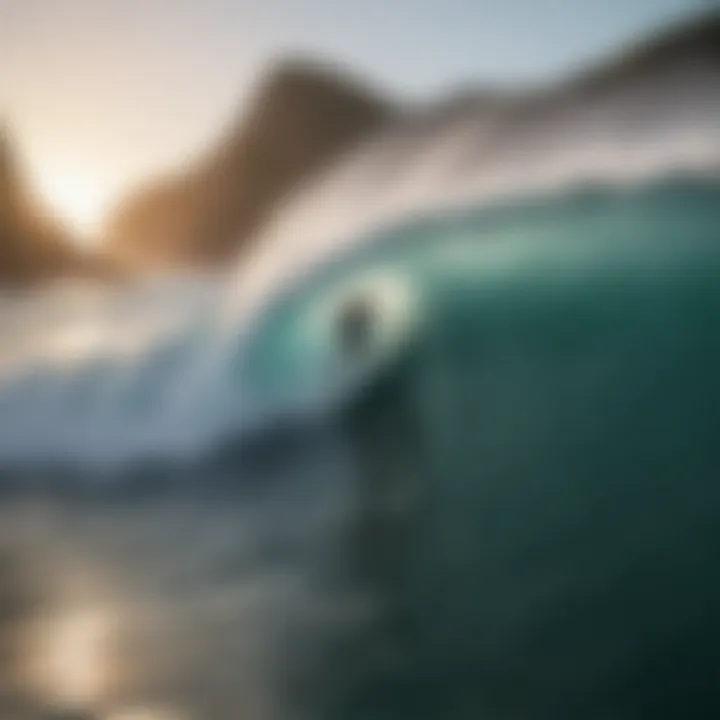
(355, 327)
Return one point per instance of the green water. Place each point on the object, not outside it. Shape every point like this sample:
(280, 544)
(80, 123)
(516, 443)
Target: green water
(539, 249)
(557, 366)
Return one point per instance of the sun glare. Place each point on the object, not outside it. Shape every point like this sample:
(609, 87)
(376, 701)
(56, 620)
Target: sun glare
(78, 200)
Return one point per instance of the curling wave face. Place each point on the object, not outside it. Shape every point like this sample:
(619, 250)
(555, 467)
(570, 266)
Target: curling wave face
(366, 518)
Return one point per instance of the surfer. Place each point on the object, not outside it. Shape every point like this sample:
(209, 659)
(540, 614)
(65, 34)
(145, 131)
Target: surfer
(355, 327)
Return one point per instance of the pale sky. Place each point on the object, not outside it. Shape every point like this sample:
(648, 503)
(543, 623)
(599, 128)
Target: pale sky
(102, 94)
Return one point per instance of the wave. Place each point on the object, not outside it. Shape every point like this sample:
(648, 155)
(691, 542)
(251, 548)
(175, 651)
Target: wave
(108, 377)
(542, 372)
(105, 376)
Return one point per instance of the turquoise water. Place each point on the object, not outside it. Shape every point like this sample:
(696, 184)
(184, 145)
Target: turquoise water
(503, 504)
(503, 254)
(545, 402)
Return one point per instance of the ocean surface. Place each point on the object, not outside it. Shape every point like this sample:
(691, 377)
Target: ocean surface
(494, 495)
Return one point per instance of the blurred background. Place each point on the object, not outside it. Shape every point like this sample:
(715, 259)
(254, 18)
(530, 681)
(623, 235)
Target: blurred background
(176, 177)
(158, 135)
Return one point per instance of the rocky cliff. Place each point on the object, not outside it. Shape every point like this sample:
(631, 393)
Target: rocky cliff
(34, 247)
(303, 115)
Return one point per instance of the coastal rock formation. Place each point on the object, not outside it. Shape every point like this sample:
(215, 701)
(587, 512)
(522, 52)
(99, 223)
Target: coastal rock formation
(34, 247)
(303, 116)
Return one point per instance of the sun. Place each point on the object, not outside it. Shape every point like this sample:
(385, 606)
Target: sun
(77, 198)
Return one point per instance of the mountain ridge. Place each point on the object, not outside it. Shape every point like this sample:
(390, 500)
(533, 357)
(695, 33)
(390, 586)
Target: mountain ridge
(303, 115)
(34, 245)
(314, 131)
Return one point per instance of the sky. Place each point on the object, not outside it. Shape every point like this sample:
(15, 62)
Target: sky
(101, 95)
